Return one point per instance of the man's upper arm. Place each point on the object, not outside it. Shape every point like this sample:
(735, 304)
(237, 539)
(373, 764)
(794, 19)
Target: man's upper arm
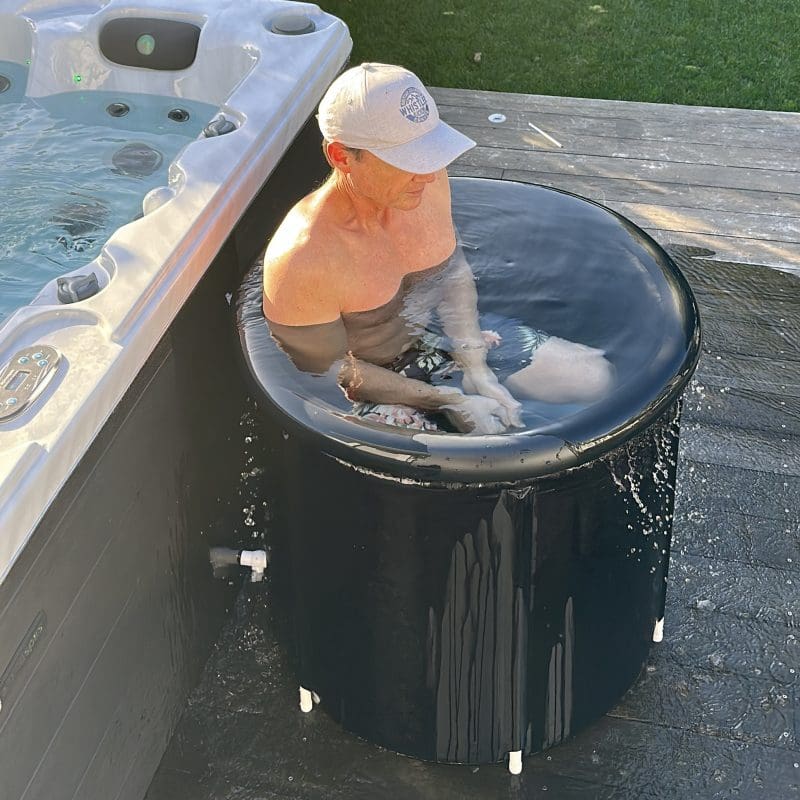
(299, 290)
(301, 306)
(312, 348)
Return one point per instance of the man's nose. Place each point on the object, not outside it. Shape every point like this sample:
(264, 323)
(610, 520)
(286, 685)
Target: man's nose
(426, 177)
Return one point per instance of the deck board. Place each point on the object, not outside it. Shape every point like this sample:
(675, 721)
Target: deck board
(680, 147)
(723, 179)
(621, 109)
(665, 194)
(688, 174)
(621, 132)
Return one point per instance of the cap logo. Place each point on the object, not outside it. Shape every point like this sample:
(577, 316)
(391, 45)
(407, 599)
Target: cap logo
(413, 105)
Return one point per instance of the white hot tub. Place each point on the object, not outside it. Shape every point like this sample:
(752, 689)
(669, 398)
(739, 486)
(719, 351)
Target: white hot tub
(109, 470)
(267, 84)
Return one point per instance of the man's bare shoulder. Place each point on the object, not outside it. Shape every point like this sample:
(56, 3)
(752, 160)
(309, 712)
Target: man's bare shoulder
(299, 229)
(299, 268)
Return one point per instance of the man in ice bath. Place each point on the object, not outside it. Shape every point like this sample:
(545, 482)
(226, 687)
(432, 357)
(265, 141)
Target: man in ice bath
(357, 269)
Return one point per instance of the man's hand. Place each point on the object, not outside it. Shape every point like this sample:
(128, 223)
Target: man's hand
(484, 382)
(473, 413)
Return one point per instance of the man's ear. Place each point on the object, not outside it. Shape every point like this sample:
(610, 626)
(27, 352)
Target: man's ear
(339, 157)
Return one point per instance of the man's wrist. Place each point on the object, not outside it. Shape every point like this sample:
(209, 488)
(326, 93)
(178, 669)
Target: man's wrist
(445, 396)
(479, 372)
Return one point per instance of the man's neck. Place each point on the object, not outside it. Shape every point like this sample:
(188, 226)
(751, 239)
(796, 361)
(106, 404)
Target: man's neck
(356, 211)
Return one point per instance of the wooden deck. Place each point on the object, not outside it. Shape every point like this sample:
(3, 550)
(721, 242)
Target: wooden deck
(727, 180)
(716, 713)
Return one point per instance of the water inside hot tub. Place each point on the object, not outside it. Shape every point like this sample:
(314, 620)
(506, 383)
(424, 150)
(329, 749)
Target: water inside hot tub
(71, 174)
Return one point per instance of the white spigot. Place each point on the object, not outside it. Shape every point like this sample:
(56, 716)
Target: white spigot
(257, 561)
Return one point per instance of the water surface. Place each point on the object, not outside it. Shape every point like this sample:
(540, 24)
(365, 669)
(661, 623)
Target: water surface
(71, 174)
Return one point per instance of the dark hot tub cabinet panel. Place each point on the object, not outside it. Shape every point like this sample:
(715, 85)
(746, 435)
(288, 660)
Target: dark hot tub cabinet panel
(459, 598)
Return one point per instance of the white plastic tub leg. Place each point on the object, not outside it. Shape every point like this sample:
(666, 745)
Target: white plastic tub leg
(306, 700)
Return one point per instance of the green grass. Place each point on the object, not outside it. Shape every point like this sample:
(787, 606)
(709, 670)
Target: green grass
(739, 53)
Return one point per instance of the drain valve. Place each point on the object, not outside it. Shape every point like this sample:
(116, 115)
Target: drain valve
(257, 560)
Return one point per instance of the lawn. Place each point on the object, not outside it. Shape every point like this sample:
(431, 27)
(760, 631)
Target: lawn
(737, 53)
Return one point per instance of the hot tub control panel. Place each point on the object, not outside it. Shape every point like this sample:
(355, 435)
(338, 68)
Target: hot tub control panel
(24, 376)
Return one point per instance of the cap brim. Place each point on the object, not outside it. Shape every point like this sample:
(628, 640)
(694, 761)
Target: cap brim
(428, 153)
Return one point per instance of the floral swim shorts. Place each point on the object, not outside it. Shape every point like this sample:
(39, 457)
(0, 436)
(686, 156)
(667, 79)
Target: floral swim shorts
(511, 346)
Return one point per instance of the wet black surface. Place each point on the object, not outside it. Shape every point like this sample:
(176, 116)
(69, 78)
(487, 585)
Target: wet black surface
(715, 713)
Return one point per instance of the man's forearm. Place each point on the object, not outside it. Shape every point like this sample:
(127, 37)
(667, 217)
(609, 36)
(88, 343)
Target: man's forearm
(468, 413)
(458, 313)
(367, 382)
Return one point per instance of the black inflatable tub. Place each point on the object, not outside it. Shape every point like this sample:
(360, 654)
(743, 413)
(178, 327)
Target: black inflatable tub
(461, 598)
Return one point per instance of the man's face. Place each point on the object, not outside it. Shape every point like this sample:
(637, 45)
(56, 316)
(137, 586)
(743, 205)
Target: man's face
(385, 185)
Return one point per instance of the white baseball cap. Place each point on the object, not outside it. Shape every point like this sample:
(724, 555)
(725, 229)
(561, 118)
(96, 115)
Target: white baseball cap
(386, 110)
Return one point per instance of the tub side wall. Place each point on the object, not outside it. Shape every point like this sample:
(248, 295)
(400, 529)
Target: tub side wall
(107, 618)
(457, 625)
